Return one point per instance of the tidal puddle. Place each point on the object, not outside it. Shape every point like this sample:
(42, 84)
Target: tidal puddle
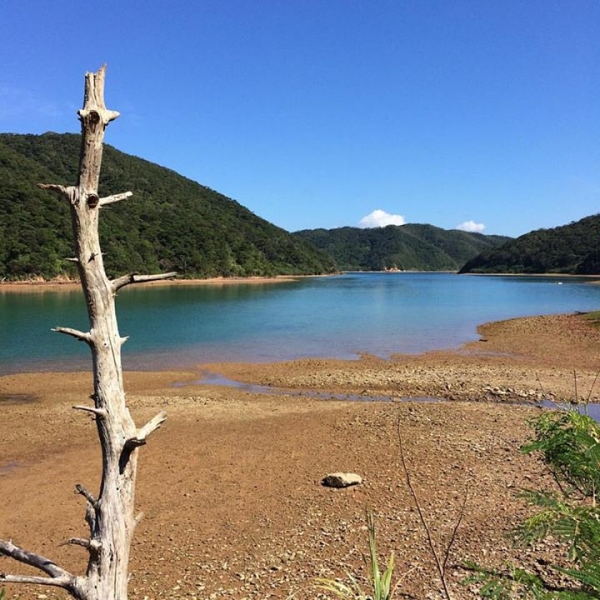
(592, 410)
(17, 398)
(9, 467)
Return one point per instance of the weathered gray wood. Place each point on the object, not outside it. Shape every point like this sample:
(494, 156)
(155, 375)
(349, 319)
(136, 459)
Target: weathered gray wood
(110, 517)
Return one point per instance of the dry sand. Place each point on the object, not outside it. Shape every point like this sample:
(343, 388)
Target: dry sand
(230, 486)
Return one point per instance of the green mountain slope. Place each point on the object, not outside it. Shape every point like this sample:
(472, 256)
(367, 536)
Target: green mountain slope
(570, 249)
(404, 247)
(170, 223)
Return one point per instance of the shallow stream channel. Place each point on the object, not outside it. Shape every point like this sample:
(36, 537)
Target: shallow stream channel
(209, 378)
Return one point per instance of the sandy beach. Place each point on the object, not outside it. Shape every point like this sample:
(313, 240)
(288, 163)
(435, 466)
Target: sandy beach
(231, 485)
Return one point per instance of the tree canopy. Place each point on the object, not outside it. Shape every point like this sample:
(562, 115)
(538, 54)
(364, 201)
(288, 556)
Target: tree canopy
(170, 224)
(569, 249)
(404, 247)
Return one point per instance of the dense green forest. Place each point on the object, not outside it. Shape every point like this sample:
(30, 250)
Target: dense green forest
(403, 247)
(170, 223)
(570, 249)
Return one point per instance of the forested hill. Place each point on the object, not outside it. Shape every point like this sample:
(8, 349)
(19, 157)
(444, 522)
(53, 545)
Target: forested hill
(170, 223)
(404, 247)
(570, 249)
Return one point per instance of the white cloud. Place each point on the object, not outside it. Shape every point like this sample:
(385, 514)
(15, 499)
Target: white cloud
(471, 226)
(379, 218)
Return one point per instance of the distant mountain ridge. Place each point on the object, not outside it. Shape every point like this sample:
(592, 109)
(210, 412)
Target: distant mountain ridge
(569, 249)
(170, 223)
(403, 247)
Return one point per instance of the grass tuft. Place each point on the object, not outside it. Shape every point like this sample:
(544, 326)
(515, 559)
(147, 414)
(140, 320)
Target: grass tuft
(379, 584)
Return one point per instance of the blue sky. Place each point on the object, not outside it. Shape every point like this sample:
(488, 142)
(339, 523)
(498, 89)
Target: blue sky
(317, 113)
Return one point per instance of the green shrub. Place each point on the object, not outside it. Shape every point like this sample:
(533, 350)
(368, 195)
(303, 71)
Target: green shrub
(569, 444)
(593, 318)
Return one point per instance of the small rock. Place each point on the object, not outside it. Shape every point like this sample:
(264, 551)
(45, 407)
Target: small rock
(341, 480)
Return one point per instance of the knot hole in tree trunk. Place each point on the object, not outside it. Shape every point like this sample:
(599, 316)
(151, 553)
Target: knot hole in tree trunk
(93, 200)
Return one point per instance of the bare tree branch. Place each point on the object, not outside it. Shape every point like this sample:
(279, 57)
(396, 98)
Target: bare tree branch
(593, 386)
(87, 495)
(149, 428)
(60, 582)
(438, 562)
(53, 187)
(34, 560)
(99, 412)
(120, 282)
(152, 425)
(115, 198)
(92, 545)
(78, 335)
(452, 539)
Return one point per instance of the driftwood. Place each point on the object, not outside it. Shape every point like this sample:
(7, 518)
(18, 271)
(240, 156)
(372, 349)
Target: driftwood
(110, 516)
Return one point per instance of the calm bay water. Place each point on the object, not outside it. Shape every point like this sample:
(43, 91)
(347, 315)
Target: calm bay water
(341, 316)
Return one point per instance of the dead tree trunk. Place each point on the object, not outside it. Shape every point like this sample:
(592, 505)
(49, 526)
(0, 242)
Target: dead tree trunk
(110, 514)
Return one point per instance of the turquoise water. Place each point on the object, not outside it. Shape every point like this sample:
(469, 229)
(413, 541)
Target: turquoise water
(341, 316)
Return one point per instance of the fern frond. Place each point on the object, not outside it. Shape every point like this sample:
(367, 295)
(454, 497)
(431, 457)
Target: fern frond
(588, 575)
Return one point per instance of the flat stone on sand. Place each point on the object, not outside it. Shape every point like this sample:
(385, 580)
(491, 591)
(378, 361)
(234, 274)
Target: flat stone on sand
(341, 480)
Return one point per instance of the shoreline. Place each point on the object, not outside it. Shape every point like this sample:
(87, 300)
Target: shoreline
(522, 359)
(71, 285)
(41, 286)
(592, 278)
(554, 357)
